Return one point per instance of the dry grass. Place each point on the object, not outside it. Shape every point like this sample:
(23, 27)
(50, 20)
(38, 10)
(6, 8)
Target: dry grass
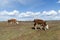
(24, 31)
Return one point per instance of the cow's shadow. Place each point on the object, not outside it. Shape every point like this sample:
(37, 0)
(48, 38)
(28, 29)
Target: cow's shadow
(38, 28)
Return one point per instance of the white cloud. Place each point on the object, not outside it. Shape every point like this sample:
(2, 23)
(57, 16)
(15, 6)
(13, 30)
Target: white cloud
(4, 15)
(52, 12)
(53, 15)
(58, 11)
(27, 14)
(58, 1)
(15, 12)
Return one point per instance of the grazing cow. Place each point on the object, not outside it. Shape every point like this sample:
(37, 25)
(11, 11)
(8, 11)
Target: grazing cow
(40, 22)
(13, 21)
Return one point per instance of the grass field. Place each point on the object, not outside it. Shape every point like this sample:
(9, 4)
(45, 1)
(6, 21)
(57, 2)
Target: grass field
(24, 31)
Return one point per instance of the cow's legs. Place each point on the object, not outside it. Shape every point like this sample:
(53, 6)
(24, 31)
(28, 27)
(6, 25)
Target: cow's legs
(44, 27)
(41, 27)
(10, 22)
(35, 26)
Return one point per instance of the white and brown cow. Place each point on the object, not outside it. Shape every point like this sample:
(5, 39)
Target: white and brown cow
(40, 22)
(13, 21)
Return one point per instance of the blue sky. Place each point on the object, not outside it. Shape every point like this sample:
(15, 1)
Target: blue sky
(29, 9)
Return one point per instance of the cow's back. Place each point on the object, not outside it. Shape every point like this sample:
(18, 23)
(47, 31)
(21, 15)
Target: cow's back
(39, 21)
(12, 20)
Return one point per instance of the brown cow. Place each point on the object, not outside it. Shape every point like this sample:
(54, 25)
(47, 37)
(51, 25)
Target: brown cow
(13, 21)
(41, 22)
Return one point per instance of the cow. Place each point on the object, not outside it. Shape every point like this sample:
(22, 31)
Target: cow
(40, 22)
(13, 21)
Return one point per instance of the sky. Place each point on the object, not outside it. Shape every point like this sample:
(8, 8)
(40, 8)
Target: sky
(27, 10)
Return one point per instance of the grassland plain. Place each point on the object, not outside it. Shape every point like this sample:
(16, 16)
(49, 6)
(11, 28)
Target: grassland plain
(24, 31)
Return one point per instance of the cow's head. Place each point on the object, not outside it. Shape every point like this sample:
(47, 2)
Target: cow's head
(17, 22)
(46, 27)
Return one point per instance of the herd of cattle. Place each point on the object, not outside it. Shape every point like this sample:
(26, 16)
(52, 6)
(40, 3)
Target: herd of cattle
(42, 23)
